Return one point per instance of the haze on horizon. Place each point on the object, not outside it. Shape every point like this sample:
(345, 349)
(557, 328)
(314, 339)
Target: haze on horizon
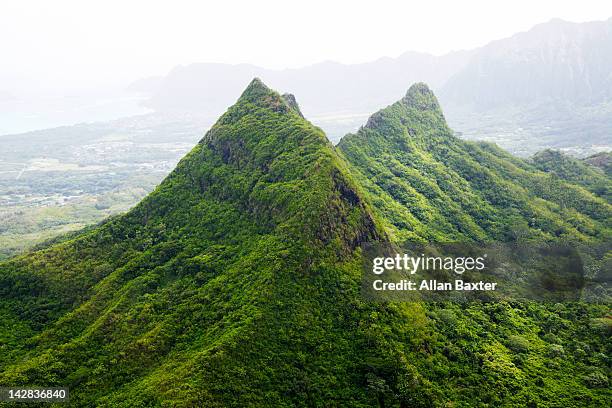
(66, 45)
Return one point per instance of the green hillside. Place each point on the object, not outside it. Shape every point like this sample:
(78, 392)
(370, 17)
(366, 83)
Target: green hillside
(237, 281)
(429, 184)
(595, 179)
(425, 184)
(234, 281)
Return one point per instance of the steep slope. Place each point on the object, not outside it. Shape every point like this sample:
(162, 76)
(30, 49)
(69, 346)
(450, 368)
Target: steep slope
(237, 281)
(575, 171)
(426, 184)
(430, 184)
(234, 283)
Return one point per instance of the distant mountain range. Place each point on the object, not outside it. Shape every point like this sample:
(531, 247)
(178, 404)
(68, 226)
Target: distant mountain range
(548, 87)
(327, 88)
(553, 62)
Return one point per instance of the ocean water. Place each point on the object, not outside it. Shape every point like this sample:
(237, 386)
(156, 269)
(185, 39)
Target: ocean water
(25, 115)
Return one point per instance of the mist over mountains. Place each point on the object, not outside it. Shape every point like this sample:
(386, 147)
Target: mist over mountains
(326, 87)
(548, 87)
(499, 93)
(555, 61)
(551, 86)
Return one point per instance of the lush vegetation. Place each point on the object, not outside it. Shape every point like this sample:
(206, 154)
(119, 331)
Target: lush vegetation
(582, 172)
(426, 183)
(237, 281)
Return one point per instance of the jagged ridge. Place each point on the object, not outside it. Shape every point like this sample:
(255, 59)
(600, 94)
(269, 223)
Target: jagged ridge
(234, 266)
(236, 282)
(434, 186)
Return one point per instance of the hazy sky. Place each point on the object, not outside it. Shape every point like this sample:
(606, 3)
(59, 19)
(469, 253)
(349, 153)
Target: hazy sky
(63, 43)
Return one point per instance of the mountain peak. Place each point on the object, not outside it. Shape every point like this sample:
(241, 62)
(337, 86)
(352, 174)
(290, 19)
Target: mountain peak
(259, 94)
(419, 101)
(255, 90)
(419, 96)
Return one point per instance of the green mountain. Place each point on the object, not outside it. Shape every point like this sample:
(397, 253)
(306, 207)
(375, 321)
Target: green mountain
(577, 171)
(237, 281)
(431, 185)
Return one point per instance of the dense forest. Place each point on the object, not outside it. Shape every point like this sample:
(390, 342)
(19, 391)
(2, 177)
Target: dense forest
(236, 282)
